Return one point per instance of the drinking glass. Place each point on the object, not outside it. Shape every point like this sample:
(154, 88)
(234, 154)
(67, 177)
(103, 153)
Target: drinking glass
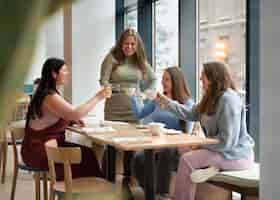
(116, 88)
(108, 90)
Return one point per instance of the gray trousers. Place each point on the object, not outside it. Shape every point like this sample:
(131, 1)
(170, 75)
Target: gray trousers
(166, 162)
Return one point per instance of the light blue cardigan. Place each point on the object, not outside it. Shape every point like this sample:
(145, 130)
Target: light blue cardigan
(228, 124)
(154, 113)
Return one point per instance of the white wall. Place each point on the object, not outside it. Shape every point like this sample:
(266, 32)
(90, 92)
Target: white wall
(93, 34)
(38, 58)
(270, 98)
(49, 44)
(54, 35)
(93, 25)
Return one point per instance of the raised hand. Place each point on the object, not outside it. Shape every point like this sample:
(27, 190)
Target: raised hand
(161, 99)
(103, 93)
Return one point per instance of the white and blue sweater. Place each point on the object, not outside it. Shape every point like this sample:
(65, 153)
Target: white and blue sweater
(228, 124)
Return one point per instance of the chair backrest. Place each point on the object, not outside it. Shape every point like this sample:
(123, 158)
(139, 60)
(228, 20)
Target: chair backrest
(17, 133)
(21, 107)
(17, 129)
(196, 128)
(65, 156)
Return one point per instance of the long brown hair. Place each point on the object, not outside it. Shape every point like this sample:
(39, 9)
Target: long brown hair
(139, 58)
(220, 80)
(47, 85)
(180, 90)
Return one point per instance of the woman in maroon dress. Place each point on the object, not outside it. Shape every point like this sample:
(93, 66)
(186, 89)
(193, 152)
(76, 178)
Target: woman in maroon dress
(49, 115)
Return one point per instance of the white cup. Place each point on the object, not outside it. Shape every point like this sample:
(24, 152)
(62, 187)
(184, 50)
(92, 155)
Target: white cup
(156, 128)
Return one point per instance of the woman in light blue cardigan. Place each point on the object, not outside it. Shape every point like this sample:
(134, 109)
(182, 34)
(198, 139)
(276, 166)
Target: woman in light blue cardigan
(175, 87)
(222, 116)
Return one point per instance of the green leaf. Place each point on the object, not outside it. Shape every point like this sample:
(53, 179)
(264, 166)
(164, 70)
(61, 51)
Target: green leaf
(20, 22)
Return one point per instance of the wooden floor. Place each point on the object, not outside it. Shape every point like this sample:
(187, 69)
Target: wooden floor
(25, 185)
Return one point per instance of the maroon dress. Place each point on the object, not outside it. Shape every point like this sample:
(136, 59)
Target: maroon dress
(34, 154)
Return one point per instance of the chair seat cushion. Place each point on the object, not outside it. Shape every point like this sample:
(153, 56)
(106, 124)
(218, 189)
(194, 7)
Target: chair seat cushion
(86, 185)
(242, 178)
(22, 166)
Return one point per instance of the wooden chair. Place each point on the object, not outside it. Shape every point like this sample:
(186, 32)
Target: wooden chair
(17, 135)
(18, 114)
(197, 129)
(69, 187)
(3, 153)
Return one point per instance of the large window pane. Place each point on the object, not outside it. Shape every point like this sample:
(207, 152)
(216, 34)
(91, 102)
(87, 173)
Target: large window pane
(131, 17)
(128, 3)
(222, 36)
(166, 25)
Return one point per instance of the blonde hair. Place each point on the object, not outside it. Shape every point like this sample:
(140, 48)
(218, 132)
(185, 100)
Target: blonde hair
(139, 58)
(220, 80)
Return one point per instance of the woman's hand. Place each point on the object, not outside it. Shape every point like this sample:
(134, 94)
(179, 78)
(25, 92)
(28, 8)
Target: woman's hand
(79, 123)
(161, 99)
(195, 147)
(105, 92)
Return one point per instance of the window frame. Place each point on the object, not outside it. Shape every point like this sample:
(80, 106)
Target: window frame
(188, 55)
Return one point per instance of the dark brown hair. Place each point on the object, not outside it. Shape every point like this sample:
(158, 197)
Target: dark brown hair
(180, 90)
(139, 57)
(220, 80)
(47, 85)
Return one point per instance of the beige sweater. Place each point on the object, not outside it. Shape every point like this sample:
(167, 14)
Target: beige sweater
(126, 75)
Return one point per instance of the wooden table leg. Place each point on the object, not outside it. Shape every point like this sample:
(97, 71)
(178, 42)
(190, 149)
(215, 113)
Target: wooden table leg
(45, 185)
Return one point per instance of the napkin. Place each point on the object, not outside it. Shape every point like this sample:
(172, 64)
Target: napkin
(133, 140)
(111, 123)
(172, 131)
(91, 130)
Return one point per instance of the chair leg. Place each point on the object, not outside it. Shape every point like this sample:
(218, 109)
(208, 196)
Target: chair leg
(52, 195)
(37, 185)
(45, 185)
(1, 152)
(14, 184)
(4, 159)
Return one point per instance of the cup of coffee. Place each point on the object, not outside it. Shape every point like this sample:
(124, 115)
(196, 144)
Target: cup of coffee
(156, 128)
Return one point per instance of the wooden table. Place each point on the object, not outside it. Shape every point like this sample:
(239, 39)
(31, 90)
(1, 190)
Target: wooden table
(123, 138)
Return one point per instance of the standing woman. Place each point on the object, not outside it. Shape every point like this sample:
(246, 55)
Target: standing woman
(222, 116)
(125, 66)
(176, 88)
(49, 115)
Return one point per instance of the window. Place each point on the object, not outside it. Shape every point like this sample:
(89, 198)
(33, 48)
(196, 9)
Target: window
(166, 36)
(131, 18)
(222, 36)
(131, 14)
